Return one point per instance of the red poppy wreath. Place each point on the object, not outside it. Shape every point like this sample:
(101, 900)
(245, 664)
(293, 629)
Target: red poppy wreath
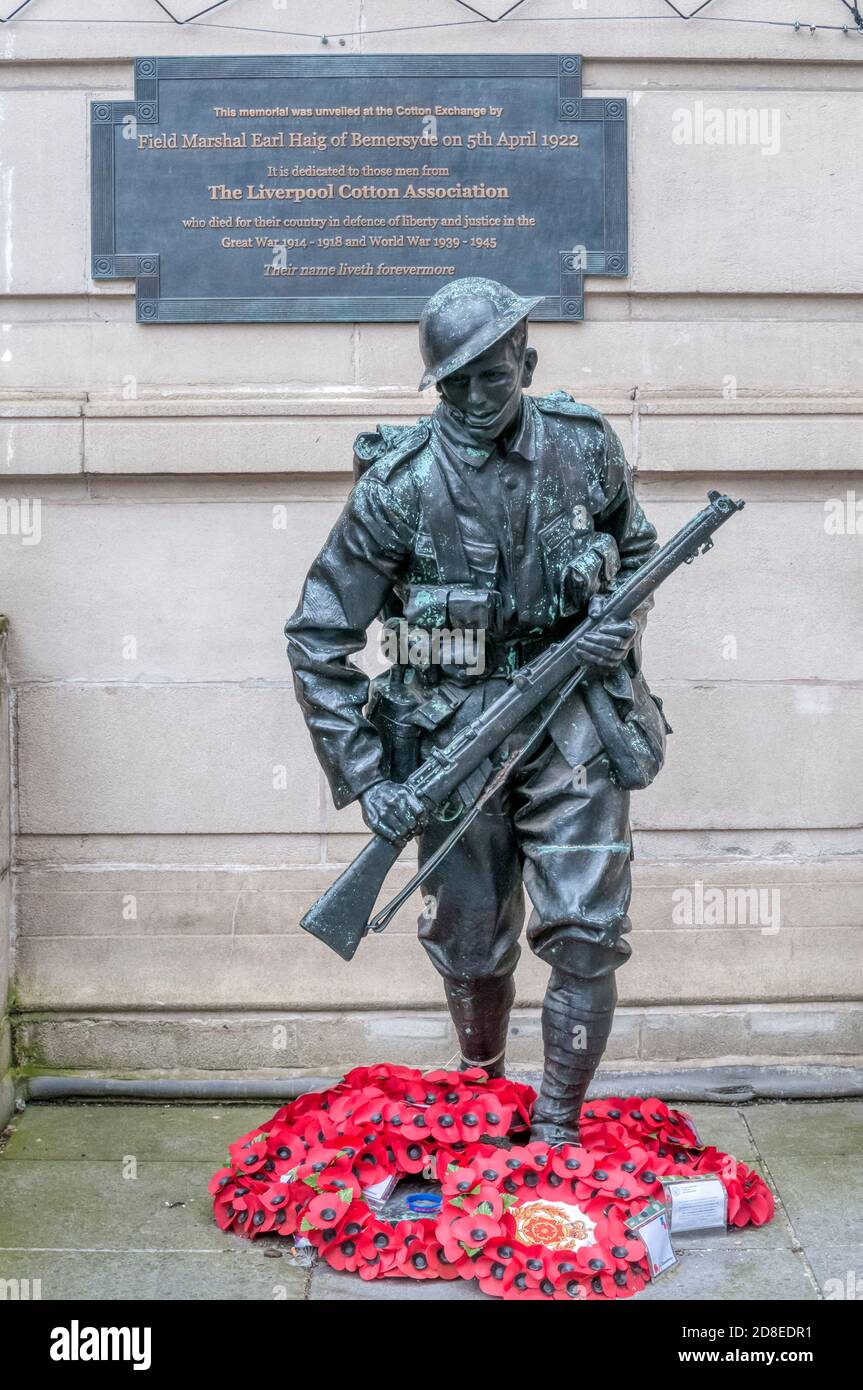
(524, 1220)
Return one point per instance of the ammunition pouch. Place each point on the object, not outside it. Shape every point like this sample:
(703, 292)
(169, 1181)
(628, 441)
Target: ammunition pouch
(455, 607)
(591, 569)
(629, 720)
(447, 629)
(438, 707)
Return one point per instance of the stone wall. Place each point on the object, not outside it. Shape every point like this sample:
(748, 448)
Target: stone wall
(161, 859)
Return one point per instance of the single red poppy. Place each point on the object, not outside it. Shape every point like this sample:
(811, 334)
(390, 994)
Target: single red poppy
(410, 1156)
(222, 1178)
(442, 1267)
(441, 1120)
(490, 1164)
(326, 1211)
(472, 1230)
(572, 1161)
(249, 1154)
(414, 1124)
(759, 1204)
(459, 1180)
(412, 1259)
(372, 1165)
(287, 1148)
(488, 1201)
(224, 1211)
(378, 1245)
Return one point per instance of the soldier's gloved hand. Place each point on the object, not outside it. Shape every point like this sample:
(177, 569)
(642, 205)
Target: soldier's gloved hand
(391, 810)
(609, 643)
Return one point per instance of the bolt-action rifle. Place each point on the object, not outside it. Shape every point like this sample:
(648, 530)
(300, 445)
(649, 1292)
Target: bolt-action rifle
(343, 915)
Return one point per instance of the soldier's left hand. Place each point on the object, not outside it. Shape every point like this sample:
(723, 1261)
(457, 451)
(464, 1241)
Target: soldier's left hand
(608, 643)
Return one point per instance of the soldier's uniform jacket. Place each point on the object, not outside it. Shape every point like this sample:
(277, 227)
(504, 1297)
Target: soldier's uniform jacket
(543, 521)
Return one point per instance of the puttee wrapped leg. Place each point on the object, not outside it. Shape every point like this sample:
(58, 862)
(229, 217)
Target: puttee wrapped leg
(576, 1021)
(480, 1011)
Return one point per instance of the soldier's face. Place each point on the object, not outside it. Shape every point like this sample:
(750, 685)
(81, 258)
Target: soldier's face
(487, 391)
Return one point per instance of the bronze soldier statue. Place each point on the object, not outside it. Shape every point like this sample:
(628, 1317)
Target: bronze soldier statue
(502, 516)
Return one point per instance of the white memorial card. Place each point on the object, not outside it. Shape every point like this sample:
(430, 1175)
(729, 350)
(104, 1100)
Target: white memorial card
(651, 1227)
(699, 1203)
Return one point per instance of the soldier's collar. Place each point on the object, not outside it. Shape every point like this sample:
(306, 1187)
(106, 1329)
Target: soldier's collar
(474, 450)
(524, 441)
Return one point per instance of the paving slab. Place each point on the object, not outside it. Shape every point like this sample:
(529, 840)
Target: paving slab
(212, 1274)
(807, 1127)
(92, 1206)
(823, 1198)
(838, 1269)
(148, 1132)
(733, 1276)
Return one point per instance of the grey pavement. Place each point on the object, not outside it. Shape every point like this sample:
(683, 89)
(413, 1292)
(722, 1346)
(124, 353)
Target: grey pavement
(110, 1202)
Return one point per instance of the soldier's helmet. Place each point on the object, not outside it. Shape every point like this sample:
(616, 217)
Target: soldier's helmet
(464, 319)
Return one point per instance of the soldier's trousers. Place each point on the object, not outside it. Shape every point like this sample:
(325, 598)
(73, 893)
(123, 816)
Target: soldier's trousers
(561, 833)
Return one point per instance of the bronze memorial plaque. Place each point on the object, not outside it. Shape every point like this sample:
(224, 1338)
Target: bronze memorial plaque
(278, 189)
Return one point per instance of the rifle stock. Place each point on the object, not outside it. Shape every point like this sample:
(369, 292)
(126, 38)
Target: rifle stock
(339, 917)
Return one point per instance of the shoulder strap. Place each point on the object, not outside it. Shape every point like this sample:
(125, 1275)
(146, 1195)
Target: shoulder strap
(562, 403)
(442, 516)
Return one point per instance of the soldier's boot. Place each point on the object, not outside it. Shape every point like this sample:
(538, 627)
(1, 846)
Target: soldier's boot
(576, 1022)
(480, 1011)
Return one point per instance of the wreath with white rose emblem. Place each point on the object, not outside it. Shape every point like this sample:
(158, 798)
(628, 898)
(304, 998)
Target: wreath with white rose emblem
(525, 1220)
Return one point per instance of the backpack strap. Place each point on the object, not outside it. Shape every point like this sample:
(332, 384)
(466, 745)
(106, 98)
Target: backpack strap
(442, 516)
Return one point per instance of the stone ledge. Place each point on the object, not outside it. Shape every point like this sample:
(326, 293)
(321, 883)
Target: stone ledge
(107, 303)
(279, 1043)
(657, 402)
(180, 400)
(189, 401)
(191, 432)
(628, 72)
